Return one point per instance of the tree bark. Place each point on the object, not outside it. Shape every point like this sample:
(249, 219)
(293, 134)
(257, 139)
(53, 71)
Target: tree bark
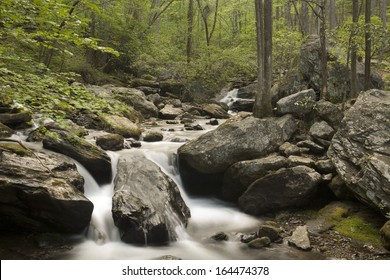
(324, 58)
(383, 16)
(263, 107)
(367, 61)
(305, 18)
(355, 15)
(332, 14)
(190, 22)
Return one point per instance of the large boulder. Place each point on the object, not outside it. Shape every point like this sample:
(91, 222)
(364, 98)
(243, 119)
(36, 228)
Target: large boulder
(94, 159)
(14, 120)
(5, 131)
(41, 193)
(147, 205)
(169, 112)
(122, 126)
(137, 100)
(215, 111)
(298, 104)
(236, 140)
(110, 142)
(242, 174)
(360, 150)
(284, 188)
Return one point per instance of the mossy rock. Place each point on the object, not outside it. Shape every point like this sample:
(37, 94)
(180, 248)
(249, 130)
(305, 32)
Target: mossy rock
(5, 131)
(336, 211)
(15, 148)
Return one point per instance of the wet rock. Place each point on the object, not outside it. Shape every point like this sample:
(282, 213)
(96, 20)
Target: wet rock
(86, 118)
(5, 131)
(300, 239)
(137, 100)
(221, 236)
(215, 111)
(240, 175)
(122, 126)
(110, 142)
(147, 204)
(134, 143)
(259, 243)
(245, 105)
(208, 156)
(42, 195)
(246, 238)
(193, 127)
(153, 136)
(272, 232)
(154, 98)
(14, 120)
(322, 130)
(169, 112)
(360, 149)
(95, 160)
(213, 122)
(385, 235)
(298, 104)
(286, 187)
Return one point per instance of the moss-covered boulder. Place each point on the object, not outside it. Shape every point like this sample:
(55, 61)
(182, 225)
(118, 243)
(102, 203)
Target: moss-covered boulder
(5, 131)
(94, 159)
(110, 142)
(122, 126)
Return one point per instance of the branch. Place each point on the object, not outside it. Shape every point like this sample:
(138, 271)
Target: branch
(157, 15)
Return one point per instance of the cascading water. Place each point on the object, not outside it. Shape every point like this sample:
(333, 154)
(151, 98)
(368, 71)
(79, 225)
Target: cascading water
(208, 217)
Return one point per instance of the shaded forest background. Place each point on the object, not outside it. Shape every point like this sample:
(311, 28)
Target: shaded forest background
(200, 43)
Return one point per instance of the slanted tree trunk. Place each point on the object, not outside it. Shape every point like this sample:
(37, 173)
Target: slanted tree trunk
(355, 15)
(367, 61)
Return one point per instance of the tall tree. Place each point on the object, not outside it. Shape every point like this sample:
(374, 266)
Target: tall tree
(190, 22)
(262, 107)
(367, 54)
(332, 14)
(205, 12)
(383, 16)
(355, 15)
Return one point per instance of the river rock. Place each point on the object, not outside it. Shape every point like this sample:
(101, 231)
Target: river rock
(298, 104)
(300, 160)
(110, 142)
(137, 100)
(360, 150)
(385, 235)
(203, 160)
(122, 126)
(95, 160)
(169, 112)
(86, 118)
(284, 188)
(147, 205)
(15, 119)
(272, 232)
(300, 238)
(288, 149)
(240, 175)
(153, 136)
(42, 195)
(248, 92)
(312, 146)
(215, 111)
(245, 105)
(5, 131)
(325, 166)
(259, 243)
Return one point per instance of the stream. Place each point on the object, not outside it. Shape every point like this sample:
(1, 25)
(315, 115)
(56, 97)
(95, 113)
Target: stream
(208, 216)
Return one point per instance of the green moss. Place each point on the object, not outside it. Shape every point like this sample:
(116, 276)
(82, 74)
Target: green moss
(15, 148)
(335, 212)
(358, 229)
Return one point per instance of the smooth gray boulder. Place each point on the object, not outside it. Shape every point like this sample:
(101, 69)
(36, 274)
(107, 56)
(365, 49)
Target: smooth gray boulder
(111, 142)
(41, 195)
(284, 188)
(360, 150)
(321, 130)
(147, 205)
(300, 238)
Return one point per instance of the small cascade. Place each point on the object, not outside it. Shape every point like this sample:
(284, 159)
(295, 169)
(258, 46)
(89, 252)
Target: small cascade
(230, 97)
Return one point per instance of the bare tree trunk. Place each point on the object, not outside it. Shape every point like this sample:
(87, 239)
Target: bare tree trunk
(355, 15)
(332, 14)
(382, 15)
(287, 14)
(190, 22)
(324, 58)
(367, 61)
(373, 7)
(305, 18)
(263, 107)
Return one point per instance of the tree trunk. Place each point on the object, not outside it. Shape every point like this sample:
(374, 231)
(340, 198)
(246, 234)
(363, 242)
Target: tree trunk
(324, 59)
(373, 7)
(305, 18)
(263, 107)
(332, 14)
(382, 15)
(367, 61)
(355, 15)
(190, 22)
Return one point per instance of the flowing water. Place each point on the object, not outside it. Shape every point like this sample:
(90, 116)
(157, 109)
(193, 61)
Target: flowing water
(208, 217)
